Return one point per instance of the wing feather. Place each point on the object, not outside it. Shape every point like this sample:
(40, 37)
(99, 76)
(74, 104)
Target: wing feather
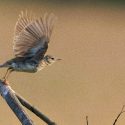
(32, 35)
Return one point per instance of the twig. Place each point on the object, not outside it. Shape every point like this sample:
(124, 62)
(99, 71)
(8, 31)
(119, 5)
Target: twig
(87, 122)
(9, 95)
(122, 111)
(35, 110)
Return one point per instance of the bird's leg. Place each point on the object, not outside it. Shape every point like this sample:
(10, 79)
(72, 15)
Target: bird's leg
(6, 74)
(9, 70)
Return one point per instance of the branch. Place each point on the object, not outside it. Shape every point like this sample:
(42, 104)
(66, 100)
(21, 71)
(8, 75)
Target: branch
(9, 95)
(122, 111)
(35, 110)
(87, 122)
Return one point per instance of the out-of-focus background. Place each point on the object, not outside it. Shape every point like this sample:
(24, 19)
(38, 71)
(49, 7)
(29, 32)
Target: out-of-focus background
(90, 80)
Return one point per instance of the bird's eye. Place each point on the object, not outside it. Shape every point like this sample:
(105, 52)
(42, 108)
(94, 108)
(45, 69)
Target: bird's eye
(52, 58)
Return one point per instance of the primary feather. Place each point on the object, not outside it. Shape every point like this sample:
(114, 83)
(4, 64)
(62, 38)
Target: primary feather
(32, 35)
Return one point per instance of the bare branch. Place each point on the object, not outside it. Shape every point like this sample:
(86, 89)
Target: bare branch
(118, 116)
(9, 95)
(35, 110)
(14, 101)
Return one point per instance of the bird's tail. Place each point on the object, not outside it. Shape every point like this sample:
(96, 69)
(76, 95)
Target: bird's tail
(2, 65)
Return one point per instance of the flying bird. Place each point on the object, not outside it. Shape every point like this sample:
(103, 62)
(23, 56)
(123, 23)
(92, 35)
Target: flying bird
(31, 39)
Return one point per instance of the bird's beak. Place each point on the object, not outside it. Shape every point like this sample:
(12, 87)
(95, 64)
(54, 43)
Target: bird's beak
(59, 59)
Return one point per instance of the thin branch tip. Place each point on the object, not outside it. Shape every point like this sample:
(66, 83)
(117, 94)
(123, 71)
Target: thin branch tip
(87, 122)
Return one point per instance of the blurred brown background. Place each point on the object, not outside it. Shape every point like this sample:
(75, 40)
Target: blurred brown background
(90, 80)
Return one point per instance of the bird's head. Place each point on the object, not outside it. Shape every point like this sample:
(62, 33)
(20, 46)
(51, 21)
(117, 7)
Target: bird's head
(50, 59)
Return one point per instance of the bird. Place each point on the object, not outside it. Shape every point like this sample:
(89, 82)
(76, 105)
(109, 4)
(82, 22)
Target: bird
(30, 43)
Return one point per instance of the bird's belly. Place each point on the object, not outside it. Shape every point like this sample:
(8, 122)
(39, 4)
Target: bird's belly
(26, 68)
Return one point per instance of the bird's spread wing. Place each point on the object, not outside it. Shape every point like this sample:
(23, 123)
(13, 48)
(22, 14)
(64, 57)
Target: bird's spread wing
(32, 34)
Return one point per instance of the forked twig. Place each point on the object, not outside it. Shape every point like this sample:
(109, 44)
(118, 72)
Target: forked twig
(14, 101)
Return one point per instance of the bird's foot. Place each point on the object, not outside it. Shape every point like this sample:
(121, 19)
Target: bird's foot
(6, 82)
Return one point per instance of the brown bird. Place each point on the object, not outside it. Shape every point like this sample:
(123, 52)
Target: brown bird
(31, 39)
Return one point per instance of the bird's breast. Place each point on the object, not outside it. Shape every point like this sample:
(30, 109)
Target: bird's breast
(41, 65)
